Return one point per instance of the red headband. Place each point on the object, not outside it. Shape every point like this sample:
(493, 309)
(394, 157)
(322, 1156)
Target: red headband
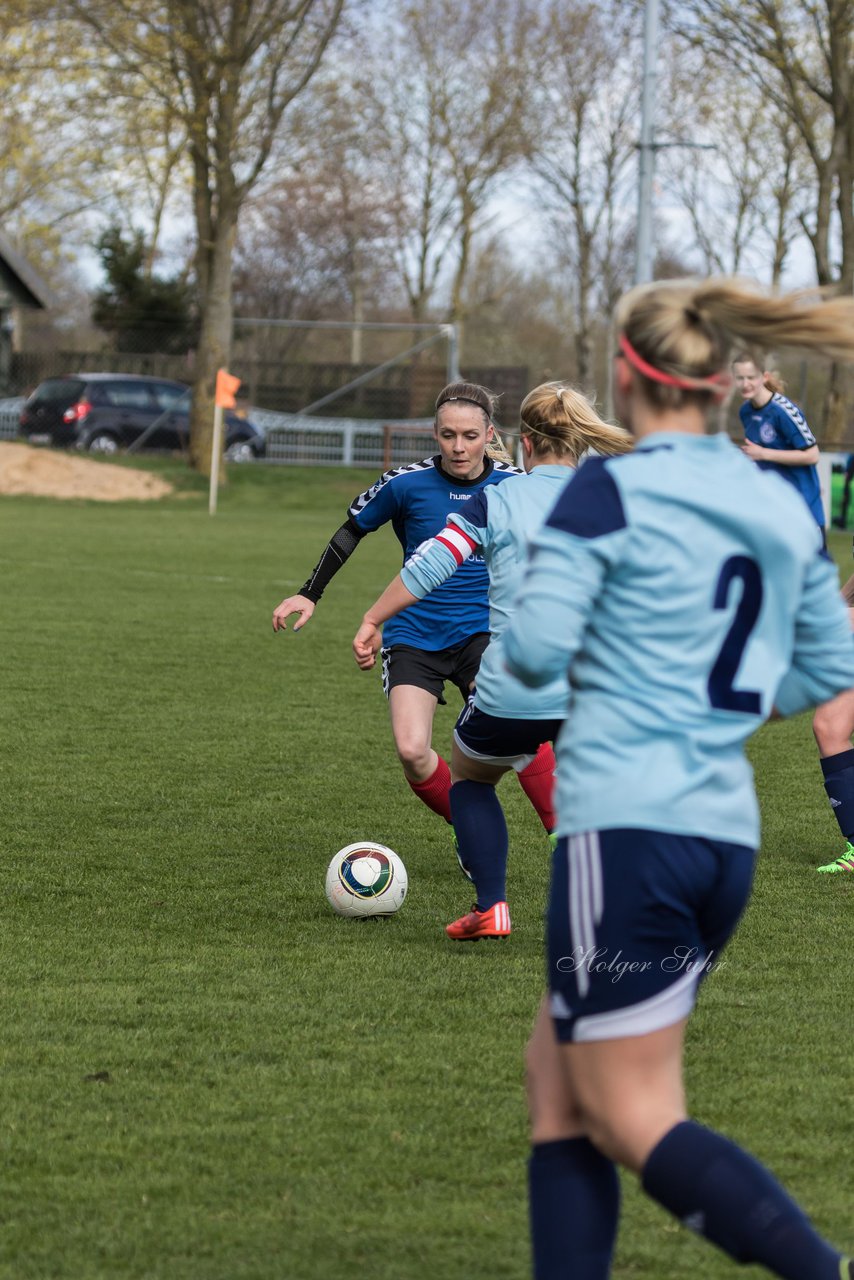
(714, 382)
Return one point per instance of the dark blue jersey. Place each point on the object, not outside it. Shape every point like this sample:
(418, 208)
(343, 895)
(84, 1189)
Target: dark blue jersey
(779, 424)
(418, 499)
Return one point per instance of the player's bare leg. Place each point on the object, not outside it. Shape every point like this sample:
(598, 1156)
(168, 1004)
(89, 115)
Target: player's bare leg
(412, 710)
(552, 1109)
(629, 1091)
(630, 1099)
(573, 1188)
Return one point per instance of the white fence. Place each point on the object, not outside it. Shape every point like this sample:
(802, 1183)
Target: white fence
(313, 442)
(342, 442)
(297, 440)
(9, 411)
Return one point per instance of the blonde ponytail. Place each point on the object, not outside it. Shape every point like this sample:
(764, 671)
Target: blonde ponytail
(562, 421)
(683, 330)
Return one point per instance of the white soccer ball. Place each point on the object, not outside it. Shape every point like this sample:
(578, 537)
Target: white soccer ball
(366, 879)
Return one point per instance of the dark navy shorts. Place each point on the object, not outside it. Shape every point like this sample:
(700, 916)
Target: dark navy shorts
(500, 741)
(430, 668)
(635, 920)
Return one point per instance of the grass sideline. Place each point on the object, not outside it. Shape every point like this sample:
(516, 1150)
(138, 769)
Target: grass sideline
(207, 1076)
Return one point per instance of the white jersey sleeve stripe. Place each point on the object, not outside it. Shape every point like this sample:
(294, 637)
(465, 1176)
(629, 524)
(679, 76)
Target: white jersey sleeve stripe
(797, 419)
(457, 542)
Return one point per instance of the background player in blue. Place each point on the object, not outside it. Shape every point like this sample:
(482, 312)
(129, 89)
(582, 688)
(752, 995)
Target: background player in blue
(441, 638)
(685, 591)
(841, 521)
(778, 438)
(833, 725)
(776, 433)
(502, 728)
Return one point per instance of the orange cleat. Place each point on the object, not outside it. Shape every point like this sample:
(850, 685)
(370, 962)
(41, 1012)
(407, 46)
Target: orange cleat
(492, 923)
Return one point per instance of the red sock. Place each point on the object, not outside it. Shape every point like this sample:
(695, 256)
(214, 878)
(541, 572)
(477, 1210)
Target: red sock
(434, 791)
(537, 781)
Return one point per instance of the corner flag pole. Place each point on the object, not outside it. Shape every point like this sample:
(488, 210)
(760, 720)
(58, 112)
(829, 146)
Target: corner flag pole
(226, 386)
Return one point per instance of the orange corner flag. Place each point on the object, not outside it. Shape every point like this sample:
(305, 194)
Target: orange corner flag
(226, 385)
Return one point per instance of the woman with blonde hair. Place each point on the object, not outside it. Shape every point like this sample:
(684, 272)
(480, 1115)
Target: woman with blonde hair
(684, 591)
(776, 434)
(504, 725)
(441, 640)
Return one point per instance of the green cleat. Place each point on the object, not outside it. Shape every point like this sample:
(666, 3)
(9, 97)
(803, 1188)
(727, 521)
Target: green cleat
(553, 838)
(845, 862)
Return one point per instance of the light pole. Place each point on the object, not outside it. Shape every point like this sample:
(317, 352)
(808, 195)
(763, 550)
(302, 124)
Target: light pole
(646, 146)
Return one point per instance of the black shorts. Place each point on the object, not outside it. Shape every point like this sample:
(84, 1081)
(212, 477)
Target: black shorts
(430, 668)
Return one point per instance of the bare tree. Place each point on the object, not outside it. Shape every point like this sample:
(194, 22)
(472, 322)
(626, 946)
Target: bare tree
(740, 180)
(453, 89)
(581, 145)
(229, 69)
(50, 159)
(314, 245)
(801, 54)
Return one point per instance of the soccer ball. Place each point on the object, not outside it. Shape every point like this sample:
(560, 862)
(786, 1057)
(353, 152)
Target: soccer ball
(366, 879)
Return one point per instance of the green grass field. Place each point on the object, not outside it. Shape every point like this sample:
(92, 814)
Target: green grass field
(208, 1076)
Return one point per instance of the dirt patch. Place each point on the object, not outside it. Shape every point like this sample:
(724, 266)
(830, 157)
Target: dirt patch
(47, 474)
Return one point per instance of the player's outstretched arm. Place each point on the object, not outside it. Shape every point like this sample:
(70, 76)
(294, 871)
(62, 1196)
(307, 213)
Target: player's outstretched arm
(292, 604)
(338, 549)
(368, 639)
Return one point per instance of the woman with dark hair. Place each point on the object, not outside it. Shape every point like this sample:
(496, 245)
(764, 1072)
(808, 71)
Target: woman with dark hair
(442, 637)
(685, 592)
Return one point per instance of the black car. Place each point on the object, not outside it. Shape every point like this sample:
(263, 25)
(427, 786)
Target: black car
(105, 412)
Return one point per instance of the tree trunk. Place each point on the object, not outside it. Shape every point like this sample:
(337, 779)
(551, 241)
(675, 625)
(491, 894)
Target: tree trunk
(214, 349)
(838, 432)
(356, 352)
(461, 273)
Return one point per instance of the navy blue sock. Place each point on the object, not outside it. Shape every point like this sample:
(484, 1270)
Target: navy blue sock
(574, 1197)
(838, 773)
(722, 1193)
(482, 839)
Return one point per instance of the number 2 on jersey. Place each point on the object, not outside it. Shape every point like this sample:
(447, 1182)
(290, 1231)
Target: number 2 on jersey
(722, 693)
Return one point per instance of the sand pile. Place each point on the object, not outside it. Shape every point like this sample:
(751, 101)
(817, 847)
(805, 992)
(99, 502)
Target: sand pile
(49, 474)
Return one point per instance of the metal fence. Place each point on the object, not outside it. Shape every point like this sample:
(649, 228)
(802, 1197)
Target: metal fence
(342, 442)
(313, 442)
(9, 413)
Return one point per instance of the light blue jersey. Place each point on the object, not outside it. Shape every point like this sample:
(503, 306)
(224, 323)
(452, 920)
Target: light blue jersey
(498, 523)
(685, 588)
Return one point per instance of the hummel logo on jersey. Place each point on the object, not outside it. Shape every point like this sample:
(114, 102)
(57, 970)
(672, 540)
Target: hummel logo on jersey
(834, 802)
(465, 496)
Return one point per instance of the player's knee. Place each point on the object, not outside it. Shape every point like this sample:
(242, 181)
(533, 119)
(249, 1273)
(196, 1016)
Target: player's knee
(820, 728)
(627, 1130)
(833, 724)
(413, 752)
(831, 729)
